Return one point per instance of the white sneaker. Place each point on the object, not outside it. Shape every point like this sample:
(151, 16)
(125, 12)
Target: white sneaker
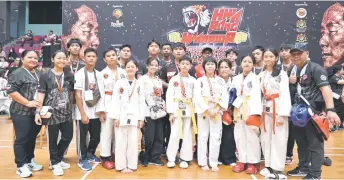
(183, 165)
(171, 164)
(57, 170)
(34, 166)
(64, 165)
(264, 172)
(24, 171)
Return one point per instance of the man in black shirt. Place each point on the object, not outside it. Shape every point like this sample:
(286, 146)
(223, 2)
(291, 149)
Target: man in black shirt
(337, 84)
(74, 46)
(124, 55)
(232, 55)
(313, 85)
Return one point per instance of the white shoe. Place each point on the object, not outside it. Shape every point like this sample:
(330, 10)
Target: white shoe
(276, 175)
(264, 172)
(57, 170)
(24, 171)
(64, 165)
(171, 164)
(34, 166)
(219, 163)
(183, 165)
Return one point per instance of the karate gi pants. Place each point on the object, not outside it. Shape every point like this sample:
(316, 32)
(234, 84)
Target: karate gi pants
(274, 146)
(106, 137)
(208, 129)
(186, 153)
(247, 143)
(126, 152)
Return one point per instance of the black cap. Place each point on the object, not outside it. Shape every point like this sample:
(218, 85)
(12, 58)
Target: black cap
(177, 45)
(299, 48)
(207, 49)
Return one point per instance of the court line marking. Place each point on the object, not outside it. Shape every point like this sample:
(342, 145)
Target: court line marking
(89, 172)
(254, 177)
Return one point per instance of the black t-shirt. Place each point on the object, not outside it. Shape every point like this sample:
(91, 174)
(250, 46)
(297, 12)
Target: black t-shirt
(68, 72)
(311, 81)
(59, 101)
(171, 70)
(292, 87)
(11, 70)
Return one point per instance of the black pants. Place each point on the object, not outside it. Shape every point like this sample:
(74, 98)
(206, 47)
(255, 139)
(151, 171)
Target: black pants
(154, 139)
(26, 132)
(228, 147)
(310, 149)
(167, 130)
(57, 150)
(81, 132)
(291, 140)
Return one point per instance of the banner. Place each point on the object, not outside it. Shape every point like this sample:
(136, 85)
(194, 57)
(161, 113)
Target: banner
(219, 25)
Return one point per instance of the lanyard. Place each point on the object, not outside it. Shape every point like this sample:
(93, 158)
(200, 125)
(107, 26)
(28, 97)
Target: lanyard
(156, 89)
(242, 84)
(59, 87)
(210, 87)
(132, 90)
(71, 67)
(37, 79)
(303, 70)
(182, 87)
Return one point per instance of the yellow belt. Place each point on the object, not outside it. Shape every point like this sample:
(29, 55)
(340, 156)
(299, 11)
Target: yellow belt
(179, 113)
(244, 109)
(206, 100)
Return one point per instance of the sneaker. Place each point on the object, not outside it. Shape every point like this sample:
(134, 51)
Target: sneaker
(144, 163)
(297, 172)
(156, 163)
(171, 164)
(24, 171)
(64, 165)
(93, 158)
(289, 160)
(34, 166)
(85, 165)
(276, 175)
(311, 177)
(184, 165)
(267, 170)
(57, 170)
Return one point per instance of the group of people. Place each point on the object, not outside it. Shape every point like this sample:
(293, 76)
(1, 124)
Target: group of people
(246, 108)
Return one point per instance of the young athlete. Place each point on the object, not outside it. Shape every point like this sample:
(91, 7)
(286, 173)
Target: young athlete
(56, 91)
(274, 84)
(180, 106)
(246, 115)
(227, 148)
(111, 73)
(128, 105)
(90, 112)
(211, 99)
(154, 112)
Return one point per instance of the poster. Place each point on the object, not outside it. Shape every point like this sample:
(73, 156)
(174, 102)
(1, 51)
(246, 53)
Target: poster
(220, 25)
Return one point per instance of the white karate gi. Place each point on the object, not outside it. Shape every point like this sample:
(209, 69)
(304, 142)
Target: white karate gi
(210, 126)
(107, 134)
(183, 109)
(5, 101)
(128, 112)
(247, 139)
(274, 136)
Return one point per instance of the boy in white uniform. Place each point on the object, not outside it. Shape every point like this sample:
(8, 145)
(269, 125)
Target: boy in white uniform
(180, 106)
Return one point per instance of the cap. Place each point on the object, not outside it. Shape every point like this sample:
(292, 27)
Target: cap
(207, 49)
(298, 48)
(177, 45)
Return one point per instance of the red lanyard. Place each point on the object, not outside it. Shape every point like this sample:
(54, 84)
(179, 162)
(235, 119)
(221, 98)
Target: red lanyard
(242, 85)
(210, 87)
(182, 87)
(132, 90)
(59, 87)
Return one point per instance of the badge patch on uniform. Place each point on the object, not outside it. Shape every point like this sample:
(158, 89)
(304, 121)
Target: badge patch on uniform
(220, 81)
(249, 84)
(122, 76)
(8, 86)
(175, 84)
(128, 121)
(106, 76)
(323, 77)
(304, 77)
(278, 79)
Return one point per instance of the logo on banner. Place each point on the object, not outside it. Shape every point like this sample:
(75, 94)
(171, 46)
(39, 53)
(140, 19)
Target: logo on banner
(219, 28)
(301, 13)
(117, 13)
(301, 26)
(301, 38)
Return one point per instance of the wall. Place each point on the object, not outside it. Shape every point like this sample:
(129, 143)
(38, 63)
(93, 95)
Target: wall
(40, 29)
(5, 9)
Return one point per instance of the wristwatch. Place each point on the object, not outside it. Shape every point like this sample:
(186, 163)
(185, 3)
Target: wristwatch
(37, 112)
(331, 109)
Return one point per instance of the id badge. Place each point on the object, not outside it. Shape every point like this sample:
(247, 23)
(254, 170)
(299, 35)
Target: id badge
(88, 95)
(335, 95)
(181, 105)
(238, 101)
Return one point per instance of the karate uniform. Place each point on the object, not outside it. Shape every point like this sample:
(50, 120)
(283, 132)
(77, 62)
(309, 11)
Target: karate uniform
(247, 139)
(182, 107)
(107, 135)
(274, 122)
(5, 101)
(208, 96)
(128, 105)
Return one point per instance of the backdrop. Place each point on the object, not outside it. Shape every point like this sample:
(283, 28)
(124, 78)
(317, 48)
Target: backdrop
(220, 25)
